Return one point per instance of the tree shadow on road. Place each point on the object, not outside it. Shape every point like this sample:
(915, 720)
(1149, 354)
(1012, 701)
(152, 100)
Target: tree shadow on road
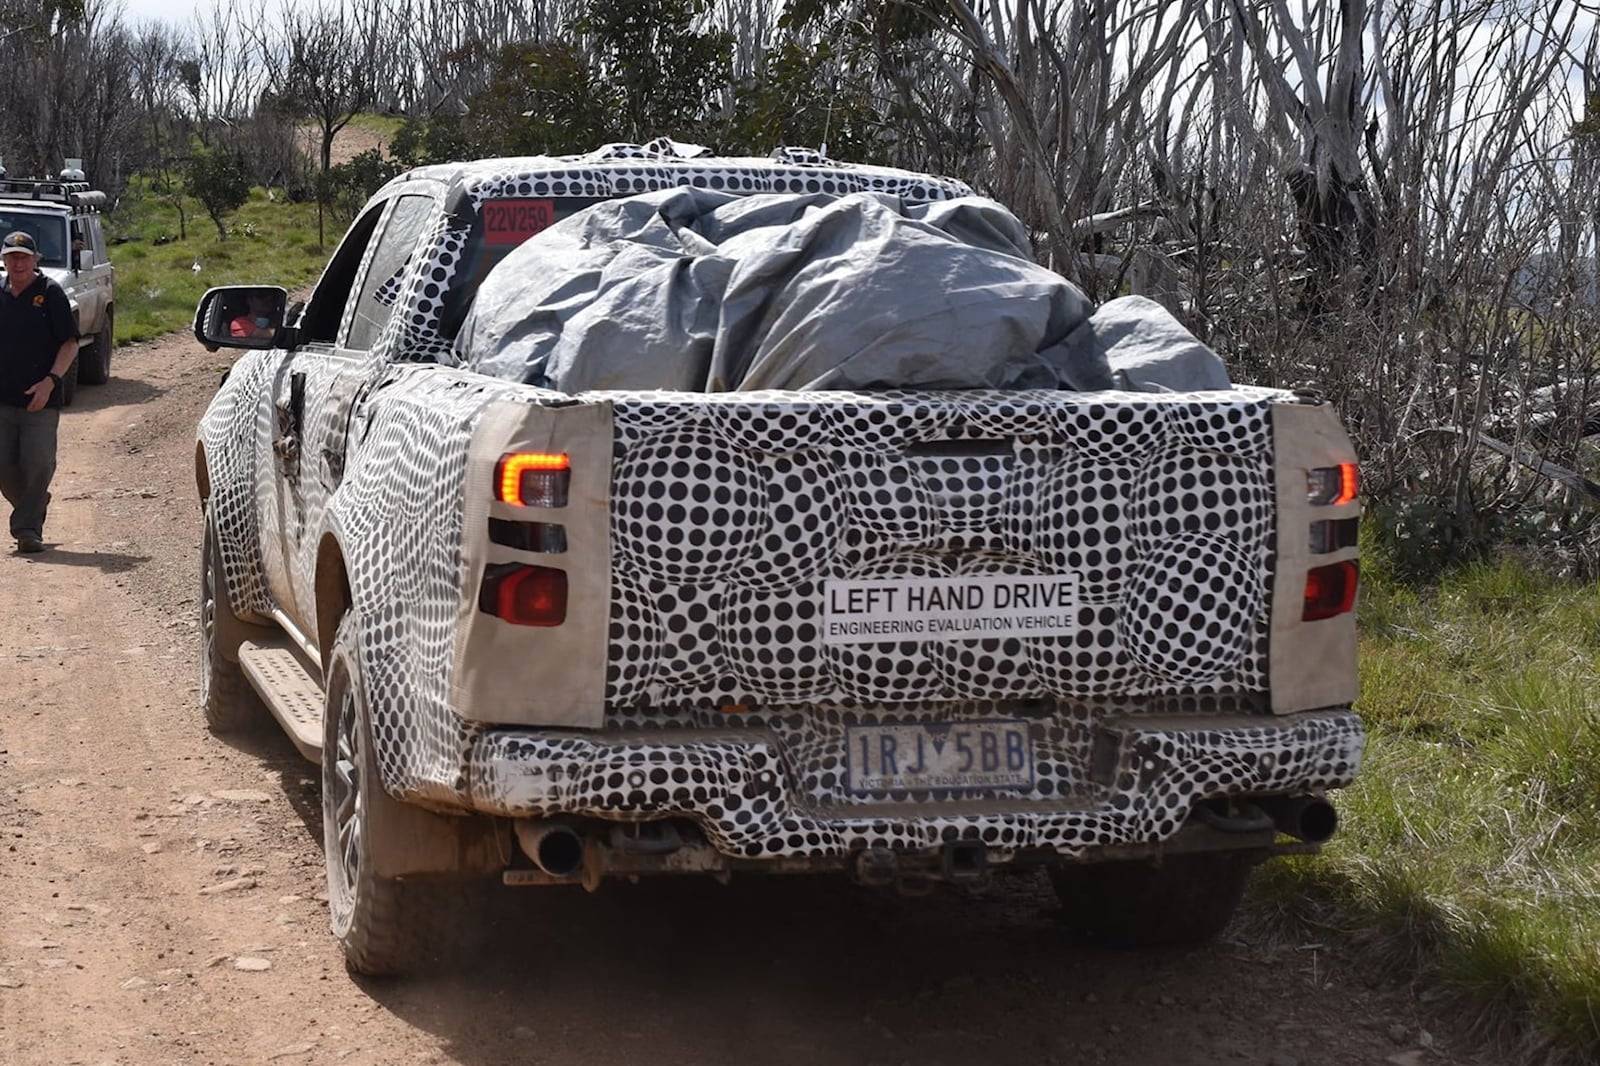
(118, 392)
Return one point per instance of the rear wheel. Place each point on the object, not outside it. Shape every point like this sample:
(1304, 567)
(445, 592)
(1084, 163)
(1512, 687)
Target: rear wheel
(1182, 899)
(386, 925)
(94, 361)
(231, 705)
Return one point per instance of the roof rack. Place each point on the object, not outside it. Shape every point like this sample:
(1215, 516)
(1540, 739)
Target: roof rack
(72, 193)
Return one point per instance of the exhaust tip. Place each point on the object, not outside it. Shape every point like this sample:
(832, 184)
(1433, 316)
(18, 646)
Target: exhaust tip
(556, 849)
(1309, 818)
(1318, 821)
(560, 852)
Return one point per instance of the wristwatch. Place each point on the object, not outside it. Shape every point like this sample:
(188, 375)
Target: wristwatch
(55, 381)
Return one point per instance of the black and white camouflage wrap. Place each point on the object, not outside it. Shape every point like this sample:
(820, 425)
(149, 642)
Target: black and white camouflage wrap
(729, 512)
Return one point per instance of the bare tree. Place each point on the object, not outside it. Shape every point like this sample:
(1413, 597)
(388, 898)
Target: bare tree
(322, 67)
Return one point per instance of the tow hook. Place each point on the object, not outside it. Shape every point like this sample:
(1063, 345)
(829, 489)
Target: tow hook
(1235, 816)
(646, 838)
(965, 862)
(877, 867)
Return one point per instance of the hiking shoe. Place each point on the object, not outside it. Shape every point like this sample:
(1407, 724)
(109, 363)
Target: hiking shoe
(29, 545)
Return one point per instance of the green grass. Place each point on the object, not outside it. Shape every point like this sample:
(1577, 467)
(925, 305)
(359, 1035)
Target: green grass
(1471, 841)
(269, 243)
(385, 126)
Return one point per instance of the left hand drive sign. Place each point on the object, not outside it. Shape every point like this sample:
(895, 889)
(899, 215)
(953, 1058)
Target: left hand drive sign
(948, 608)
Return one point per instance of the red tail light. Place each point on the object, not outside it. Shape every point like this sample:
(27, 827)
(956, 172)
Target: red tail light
(533, 479)
(525, 595)
(1330, 590)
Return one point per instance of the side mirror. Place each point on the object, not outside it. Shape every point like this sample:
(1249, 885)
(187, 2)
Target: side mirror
(241, 316)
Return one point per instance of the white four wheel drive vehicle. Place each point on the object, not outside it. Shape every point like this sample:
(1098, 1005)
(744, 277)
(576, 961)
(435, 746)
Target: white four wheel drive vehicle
(914, 635)
(63, 217)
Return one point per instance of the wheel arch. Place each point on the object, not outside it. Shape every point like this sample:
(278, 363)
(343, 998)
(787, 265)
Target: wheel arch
(202, 473)
(404, 839)
(332, 589)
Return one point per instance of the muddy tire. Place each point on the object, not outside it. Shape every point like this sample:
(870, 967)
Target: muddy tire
(94, 360)
(385, 925)
(230, 704)
(1184, 899)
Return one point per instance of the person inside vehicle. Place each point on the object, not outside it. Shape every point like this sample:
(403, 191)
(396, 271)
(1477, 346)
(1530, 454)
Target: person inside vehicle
(258, 320)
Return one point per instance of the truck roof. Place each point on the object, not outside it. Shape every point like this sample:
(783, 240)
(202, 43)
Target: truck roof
(624, 169)
(60, 194)
(35, 205)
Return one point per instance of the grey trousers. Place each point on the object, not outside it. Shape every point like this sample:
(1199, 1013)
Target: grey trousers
(27, 463)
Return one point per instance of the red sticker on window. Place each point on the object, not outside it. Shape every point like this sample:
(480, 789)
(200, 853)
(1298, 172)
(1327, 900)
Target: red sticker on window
(510, 222)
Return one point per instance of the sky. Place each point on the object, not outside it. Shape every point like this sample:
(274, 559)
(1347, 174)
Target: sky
(173, 11)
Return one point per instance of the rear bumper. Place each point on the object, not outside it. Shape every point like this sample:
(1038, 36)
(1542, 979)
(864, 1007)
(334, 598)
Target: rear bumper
(742, 792)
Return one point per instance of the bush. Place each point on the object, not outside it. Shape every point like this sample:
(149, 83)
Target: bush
(347, 186)
(220, 181)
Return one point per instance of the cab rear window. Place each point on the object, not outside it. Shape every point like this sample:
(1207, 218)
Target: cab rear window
(499, 228)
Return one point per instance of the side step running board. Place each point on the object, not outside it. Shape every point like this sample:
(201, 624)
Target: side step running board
(290, 693)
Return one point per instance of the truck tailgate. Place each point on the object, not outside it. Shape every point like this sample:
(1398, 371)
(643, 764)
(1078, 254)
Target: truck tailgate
(921, 548)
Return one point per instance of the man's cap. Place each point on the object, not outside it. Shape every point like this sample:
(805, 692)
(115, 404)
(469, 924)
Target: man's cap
(18, 241)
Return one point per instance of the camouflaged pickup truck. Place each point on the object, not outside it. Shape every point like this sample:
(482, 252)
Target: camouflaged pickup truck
(913, 637)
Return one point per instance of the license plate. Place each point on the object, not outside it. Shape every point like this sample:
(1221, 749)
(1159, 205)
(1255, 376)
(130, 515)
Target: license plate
(510, 222)
(939, 757)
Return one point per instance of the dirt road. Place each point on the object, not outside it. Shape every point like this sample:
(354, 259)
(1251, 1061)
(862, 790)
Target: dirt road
(160, 889)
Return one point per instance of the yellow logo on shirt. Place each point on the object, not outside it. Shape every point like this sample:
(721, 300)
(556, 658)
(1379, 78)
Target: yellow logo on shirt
(38, 301)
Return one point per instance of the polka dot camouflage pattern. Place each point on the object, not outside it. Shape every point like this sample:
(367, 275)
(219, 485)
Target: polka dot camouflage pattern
(806, 509)
(732, 495)
(1191, 608)
(888, 501)
(993, 668)
(812, 741)
(686, 506)
(890, 672)
(1121, 433)
(1185, 492)
(1087, 534)
(739, 788)
(772, 642)
(731, 514)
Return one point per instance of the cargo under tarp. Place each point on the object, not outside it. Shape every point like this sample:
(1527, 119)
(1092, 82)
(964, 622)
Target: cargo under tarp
(696, 290)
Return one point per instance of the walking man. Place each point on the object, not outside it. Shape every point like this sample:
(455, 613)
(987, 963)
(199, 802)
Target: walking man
(38, 342)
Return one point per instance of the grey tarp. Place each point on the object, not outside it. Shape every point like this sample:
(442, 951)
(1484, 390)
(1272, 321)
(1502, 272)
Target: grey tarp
(696, 290)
